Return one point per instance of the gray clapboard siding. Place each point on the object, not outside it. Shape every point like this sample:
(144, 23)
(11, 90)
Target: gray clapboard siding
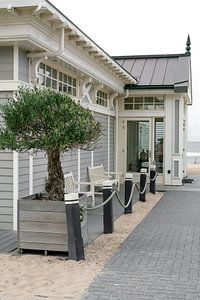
(6, 63)
(23, 66)
(69, 162)
(39, 171)
(101, 150)
(6, 157)
(6, 190)
(112, 144)
(85, 162)
(23, 175)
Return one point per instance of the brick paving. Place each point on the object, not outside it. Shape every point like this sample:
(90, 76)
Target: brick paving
(160, 259)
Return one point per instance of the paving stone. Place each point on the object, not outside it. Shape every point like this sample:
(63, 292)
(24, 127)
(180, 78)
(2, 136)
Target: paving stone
(161, 258)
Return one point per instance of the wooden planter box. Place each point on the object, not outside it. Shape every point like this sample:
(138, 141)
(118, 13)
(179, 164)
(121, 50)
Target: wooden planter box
(42, 225)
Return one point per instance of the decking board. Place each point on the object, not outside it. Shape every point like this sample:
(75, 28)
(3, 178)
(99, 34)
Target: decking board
(8, 241)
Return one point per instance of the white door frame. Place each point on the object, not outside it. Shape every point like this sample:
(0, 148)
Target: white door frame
(151, 136)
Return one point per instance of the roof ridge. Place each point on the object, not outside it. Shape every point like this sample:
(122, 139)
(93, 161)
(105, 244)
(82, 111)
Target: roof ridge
(150, 56)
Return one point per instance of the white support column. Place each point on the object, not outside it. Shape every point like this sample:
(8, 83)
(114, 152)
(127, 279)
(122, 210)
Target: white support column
(116, 135)
(15, 187)
(79, 168)
(108, 145)
(15, 154)
(30, 172)
(92, 158)
(16, 62)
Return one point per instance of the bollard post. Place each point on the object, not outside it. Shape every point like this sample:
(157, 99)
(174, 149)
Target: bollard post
(75, 240)
(128, 189)
(152, 187)
(108, 222)
(143, 178)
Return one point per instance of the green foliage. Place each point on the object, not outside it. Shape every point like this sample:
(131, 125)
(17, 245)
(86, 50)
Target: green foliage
(43, 119)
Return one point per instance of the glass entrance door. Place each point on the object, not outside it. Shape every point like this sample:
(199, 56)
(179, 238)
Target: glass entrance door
(138, 145)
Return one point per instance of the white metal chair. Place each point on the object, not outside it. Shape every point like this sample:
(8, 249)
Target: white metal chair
(71, 186)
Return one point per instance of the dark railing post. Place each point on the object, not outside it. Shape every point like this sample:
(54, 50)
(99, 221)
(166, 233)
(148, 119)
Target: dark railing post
(152, 187)
(143, 179)
(108, 222)
(128, 189)
(75, 240)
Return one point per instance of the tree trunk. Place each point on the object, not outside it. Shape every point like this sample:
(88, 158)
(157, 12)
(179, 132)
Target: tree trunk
(55, 183)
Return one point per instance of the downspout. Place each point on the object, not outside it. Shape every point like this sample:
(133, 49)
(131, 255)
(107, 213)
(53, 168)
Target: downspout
(117, 129)
(36, 58)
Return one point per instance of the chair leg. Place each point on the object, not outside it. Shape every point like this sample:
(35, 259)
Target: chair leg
(93, 198)
(118, 186)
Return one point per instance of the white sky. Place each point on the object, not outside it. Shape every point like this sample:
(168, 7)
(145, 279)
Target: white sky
(132, 27)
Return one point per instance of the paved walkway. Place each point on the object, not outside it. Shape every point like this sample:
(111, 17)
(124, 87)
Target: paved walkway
(161, 257)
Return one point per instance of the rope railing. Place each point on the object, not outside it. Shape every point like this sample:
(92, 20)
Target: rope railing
(129, 200)
(102, 204)
(115, 193)
(144, 189)
(154, 178)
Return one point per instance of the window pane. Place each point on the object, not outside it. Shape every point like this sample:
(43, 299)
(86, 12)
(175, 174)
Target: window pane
(54, 84)
(138, 106)
(41, 68)
(138, 100)
(60, 76)
(128, 106)
(60, 87)
(69, 80)
(48, 82)
(65, 78)
(48, 71)
(65, 88)
(158, 146)
(41, 80)
(54, 73)
(69, 90)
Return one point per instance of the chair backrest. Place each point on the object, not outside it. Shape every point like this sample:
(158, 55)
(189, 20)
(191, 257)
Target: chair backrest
(96, 173)
(70, 186)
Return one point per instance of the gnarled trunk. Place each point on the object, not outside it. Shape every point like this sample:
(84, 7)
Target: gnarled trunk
(55, 183)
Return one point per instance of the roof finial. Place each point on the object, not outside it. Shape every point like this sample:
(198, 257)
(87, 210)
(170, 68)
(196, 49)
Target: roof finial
(188, 45)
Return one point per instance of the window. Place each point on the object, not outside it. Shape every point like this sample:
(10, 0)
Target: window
(158, 143)
(53, 79)
(102, 98)
(144, 103)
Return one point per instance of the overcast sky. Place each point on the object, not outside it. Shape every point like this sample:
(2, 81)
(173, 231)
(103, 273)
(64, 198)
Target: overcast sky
(132, 27)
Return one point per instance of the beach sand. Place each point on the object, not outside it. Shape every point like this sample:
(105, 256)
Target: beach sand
(32, 277)
(193, 169)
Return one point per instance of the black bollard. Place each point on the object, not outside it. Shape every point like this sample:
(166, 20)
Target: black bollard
(128, 189)
(75, 240)
(108, 223)
(152, 187)
(143, 179)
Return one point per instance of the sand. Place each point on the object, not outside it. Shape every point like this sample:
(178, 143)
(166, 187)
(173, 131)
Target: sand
(31, 277)
(193, 169)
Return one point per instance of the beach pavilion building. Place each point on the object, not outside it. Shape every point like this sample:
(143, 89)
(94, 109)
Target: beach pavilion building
(141, 101)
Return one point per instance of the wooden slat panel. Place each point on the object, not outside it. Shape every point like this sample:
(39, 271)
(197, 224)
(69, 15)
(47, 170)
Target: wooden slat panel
(43, 227)
(42, 216)
(42, 205)
(45, 238)
(43, 246)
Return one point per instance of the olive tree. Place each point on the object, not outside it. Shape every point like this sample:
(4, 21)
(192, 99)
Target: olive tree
(43, 119)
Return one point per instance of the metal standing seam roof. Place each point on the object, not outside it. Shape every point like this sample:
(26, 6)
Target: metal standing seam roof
(158, 71)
